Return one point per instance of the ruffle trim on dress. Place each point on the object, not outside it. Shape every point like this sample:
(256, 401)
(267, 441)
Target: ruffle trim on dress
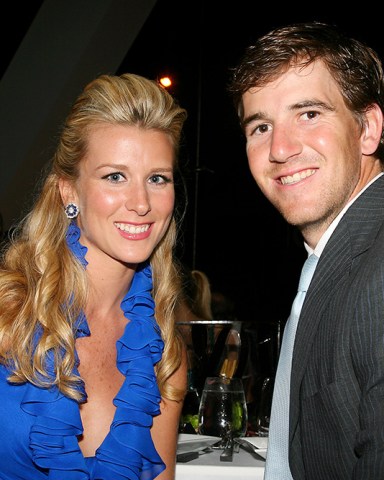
(73, 242)
(127, 452)
(53, 436)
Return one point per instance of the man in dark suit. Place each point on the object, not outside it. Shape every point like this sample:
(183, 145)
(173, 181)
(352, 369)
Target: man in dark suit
(310, 102)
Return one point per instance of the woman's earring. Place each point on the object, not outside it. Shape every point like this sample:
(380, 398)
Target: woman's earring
(71, 210)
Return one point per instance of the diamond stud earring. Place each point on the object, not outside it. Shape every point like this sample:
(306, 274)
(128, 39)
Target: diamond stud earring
(71, 210)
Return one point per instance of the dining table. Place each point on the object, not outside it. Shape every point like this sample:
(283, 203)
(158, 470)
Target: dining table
(208, 466)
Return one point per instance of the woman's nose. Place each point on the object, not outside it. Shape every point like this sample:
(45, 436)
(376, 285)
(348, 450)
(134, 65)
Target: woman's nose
(138, 200)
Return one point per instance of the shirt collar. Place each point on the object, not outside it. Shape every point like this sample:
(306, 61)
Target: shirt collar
(327, 234)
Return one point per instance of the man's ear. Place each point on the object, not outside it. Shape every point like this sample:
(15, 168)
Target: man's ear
(67, 192)
(373, 128)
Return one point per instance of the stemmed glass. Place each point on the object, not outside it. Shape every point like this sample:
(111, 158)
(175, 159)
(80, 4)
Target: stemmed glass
(223, 408)
(262, 421)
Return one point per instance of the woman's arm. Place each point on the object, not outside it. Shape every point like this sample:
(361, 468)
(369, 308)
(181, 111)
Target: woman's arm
(165, 426)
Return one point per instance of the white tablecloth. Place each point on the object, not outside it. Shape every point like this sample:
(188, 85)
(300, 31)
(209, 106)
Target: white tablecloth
(209, 466)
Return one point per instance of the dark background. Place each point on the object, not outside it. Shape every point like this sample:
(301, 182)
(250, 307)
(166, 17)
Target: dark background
(231, 232)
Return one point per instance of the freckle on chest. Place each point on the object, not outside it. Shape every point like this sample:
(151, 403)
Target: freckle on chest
(97, 368)
(97, 355)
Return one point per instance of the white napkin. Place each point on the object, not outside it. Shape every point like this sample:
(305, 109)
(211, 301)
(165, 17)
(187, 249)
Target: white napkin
(188, 442)
(259, 442)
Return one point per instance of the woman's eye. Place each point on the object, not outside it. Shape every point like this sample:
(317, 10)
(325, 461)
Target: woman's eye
(159, 179)
(115, 177)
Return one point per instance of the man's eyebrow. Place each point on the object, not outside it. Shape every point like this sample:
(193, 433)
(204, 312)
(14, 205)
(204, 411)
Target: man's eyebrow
(312, 103)
(253, 118)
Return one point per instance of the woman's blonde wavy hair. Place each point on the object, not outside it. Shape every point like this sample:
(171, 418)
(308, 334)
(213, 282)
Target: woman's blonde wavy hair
(43, 287)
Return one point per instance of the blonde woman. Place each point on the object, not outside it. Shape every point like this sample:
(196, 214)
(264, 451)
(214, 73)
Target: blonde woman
(92, 374)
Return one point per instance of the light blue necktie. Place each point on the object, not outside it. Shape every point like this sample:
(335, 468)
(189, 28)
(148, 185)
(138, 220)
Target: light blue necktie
(277, 465)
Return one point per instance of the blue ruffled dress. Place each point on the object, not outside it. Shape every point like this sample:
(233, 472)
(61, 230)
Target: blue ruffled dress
(39, 427)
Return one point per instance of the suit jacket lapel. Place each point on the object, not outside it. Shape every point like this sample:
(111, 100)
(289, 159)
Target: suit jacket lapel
(354, 234)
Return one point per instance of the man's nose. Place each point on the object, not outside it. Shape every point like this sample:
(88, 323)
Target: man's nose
(284, 144)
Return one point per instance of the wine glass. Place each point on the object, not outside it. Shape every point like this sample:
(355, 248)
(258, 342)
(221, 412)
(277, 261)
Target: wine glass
(263, 416)
(223, 409)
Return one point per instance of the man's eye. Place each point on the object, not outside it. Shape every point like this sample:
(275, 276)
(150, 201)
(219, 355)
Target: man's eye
(262, 128)
(259, 129)
(311, 115)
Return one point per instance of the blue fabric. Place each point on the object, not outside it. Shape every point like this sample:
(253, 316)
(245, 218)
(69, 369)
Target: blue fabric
(39, 427)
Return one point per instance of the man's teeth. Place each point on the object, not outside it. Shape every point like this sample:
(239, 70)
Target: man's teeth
(131, 228)
(296, 177)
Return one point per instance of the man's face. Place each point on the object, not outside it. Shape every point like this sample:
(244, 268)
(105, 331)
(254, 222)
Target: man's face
(304, 147)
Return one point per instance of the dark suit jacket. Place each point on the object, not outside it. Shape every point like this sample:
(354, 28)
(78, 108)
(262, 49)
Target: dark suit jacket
(337, 382)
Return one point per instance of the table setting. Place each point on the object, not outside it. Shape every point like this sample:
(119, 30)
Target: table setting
(220, 448)
(215, 439)
(248, 461)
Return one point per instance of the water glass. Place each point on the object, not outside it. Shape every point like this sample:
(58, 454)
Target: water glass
(223, 409)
